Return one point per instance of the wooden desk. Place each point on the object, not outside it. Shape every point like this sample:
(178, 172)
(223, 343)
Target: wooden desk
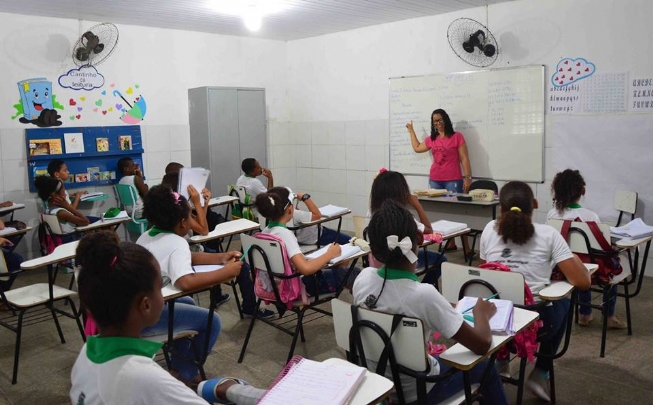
(461, 358)
(476, 214)
(10, 210)
(373, 389)
(103, 223)
(319, 223)
(225, 229)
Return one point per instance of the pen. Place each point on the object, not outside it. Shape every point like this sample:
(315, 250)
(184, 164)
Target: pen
(484, 299)
(244, 254)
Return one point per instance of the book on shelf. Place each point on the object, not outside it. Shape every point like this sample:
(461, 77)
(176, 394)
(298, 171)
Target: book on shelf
(444, 227)
(307, 382)
(125, 142)
(346, 250)
(502, 321)
(332, 210)
(102, 144)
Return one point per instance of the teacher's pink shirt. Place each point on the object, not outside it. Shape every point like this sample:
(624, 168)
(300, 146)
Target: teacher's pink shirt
(446, 161)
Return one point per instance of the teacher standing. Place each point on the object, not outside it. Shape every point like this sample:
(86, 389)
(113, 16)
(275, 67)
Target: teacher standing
(449, 151)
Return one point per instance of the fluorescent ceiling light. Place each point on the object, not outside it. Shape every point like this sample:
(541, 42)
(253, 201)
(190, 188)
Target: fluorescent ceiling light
(251, 11)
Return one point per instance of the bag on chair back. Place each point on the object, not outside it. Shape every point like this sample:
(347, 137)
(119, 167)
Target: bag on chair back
(289, 289)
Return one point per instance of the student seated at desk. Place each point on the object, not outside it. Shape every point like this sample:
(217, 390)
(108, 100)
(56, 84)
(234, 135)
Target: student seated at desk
(389, 185)
(117, 366)
(533, 250)
(13, 261)
(251, 169)
(6, 204)
(394, 289)
(133, 176)
(309, 235)
(52, 192)
(277, 207)
(568, 187)
(58, 169)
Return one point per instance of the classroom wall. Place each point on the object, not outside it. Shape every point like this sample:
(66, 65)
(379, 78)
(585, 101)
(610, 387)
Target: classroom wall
(163, 63)
(338, 96)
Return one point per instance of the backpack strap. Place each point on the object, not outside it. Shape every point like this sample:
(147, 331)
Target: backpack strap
(564, 231)
(598, 235)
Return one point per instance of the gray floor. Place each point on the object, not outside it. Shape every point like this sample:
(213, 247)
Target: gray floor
(624, 376)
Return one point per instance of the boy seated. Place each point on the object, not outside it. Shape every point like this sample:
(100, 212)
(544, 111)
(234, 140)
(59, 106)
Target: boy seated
(252, 168)
(133, 176)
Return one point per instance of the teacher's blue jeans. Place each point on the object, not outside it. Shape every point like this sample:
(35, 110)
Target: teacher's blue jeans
(455, 185)
(492, 390)
(187, 316)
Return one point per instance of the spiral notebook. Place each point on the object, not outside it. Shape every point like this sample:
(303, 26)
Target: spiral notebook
(502, 321)
(308, 382)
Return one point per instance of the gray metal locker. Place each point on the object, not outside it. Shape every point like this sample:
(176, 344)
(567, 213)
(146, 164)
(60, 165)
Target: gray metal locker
(227, 125)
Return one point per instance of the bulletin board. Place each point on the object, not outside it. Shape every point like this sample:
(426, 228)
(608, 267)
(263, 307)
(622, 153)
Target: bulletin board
(91, 153)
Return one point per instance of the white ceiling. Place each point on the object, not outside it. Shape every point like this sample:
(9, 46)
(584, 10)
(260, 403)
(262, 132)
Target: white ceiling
(303, 19)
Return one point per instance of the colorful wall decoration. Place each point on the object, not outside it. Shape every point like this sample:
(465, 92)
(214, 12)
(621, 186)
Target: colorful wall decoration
(37, 103)
(570, 71)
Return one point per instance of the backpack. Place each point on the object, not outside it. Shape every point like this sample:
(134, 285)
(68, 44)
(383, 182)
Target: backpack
(47, 240)
(609, 264)
(243, 207)
(525, 342)
(289, 289)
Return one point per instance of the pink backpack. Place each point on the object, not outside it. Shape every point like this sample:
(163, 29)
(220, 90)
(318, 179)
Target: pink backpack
(290, 289)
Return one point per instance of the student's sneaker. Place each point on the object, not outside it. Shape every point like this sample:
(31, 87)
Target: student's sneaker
(584, 320)
(206, 389)
(222, 299)
(538, 383)
(262, 314)
(616, 323)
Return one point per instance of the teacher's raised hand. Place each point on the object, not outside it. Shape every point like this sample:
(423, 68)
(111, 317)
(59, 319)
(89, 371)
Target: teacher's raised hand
(409, 126)
(418, 146)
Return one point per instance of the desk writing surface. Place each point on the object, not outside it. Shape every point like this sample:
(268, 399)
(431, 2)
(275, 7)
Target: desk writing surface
(96, 197)
(60, 253)
(460, 357)
(15, 232)
(102, 223)
(629, 243)
(447, 237)
(225, 199)
(322, 220)
(227, 229)
(371, 390)
(11, 208)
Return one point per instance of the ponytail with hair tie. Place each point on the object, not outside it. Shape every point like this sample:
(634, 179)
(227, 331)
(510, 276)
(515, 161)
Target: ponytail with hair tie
(515, 209)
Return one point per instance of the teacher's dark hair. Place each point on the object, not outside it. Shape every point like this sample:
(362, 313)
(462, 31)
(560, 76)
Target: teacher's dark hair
(567, 187)
(389, 185)
(448, 126)
(517, 203)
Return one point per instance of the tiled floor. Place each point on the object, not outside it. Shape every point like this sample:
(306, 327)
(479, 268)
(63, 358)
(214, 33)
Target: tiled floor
(624, 376)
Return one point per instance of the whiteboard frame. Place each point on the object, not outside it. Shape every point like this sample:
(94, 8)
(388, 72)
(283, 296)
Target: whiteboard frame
(542, 178)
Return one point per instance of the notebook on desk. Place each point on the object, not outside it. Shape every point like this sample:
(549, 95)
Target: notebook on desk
(88, 196)
(502, 321)
(309, 382)
(444, 227)
(635, 229)
(346, 251)
(332, 210)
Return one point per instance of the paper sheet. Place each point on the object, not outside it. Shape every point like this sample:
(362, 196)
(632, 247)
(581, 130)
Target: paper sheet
(195, 176)
(346, 251)
(332, 210)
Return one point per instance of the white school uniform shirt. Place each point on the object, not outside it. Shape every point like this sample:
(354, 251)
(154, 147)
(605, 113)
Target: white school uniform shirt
(288, 238)
(171, 251)
(407, 296)
(535, 259)
(252, 185)
(66, 227)
(121, 371)
(584, 214)
(138, 208)
(307, 235)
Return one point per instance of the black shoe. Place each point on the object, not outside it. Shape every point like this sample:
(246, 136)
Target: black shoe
(262, 314)
(222, 299)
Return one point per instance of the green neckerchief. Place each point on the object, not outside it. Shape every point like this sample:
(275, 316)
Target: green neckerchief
(155, 231)
(272, 224)
(102, 349)
(394, 274)
(574, 205)
(251, 177)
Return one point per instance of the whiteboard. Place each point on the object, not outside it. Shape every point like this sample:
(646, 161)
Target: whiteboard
(499, 112)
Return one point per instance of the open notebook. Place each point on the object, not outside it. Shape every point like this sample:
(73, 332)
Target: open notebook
(346, 251)
(332, 210)
(500, 324)
(89, 196)
(445, 228)
(309, 382)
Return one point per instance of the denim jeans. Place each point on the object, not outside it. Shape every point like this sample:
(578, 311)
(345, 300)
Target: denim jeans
(328, 280)
(187, 316)
(586, 297)
(329, 236)
(492, 390)
(455, 185)
(551, 333)
(434, 260)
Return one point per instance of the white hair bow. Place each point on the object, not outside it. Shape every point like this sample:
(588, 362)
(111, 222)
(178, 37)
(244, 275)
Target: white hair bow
(406, 246)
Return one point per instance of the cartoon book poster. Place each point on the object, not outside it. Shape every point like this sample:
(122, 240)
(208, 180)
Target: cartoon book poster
(102, 144)
(108, 175)
(37, 103)
(125, 142)
(74, 142)
(93, 173)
